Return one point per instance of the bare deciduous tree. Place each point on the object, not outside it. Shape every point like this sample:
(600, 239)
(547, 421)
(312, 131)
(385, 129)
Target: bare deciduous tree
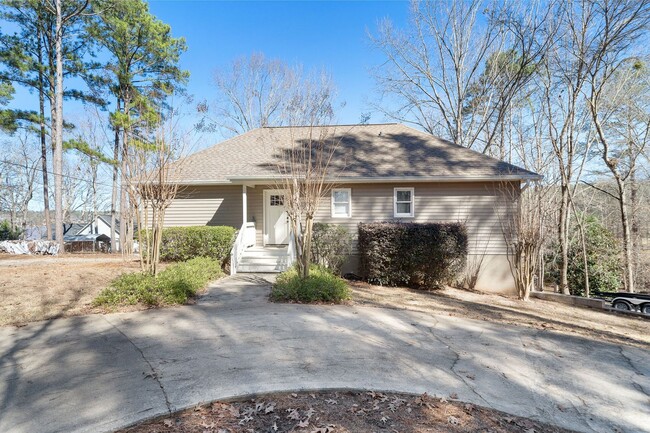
(304, 164)
(523, 230)
(458, 68)
(151, 161)
(305, 178)
(257, 92)
(619, 102)
(18, 172)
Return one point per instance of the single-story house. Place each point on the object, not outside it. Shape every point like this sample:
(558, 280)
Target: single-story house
(380, 172)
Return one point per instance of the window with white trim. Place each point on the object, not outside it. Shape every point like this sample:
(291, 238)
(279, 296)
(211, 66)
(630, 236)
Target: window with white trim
(341, 203)
(404, 202)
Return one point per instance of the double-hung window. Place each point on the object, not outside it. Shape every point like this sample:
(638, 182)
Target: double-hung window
(341, 203)
(404, 202)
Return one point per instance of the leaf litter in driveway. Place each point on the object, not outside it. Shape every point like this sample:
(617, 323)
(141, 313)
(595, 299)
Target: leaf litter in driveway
(353, 412)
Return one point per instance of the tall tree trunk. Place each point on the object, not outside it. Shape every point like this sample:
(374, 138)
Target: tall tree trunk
(627, 241)
(116, 168)
(41, 112)
(124, 207)
(126, 223)
(58, 132)
(633, 211)
(583, 244)
(563, 238)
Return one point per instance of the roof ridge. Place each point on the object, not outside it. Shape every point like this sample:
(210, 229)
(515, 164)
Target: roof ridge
(328, 125)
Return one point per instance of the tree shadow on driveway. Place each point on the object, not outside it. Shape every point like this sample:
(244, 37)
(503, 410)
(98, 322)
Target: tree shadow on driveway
(99, 373)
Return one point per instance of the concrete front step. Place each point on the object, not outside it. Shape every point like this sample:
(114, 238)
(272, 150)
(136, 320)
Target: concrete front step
(254, 268)
(266, 252)
(263, 260)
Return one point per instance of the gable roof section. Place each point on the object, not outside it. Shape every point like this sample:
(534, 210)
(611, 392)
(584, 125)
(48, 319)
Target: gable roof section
(379, 152)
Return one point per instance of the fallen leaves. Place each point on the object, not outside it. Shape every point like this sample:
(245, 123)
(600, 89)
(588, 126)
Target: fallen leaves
(345, 412)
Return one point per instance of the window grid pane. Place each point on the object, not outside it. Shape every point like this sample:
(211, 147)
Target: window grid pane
(403, 196)
(341, 197)
(404, 208)
(277, 200)
(341, 209)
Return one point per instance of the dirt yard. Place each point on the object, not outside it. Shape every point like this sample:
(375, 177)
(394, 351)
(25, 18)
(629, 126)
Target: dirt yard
(342, 412)
(43, 287)
(534, 313)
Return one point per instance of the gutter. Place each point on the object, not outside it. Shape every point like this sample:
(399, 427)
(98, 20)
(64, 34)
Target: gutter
(394, 179)
(253, 180)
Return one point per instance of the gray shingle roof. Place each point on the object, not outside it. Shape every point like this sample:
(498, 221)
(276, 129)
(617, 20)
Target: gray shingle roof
(376, 152)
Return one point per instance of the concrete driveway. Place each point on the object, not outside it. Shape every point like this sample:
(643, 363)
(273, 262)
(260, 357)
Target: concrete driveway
(99, 373)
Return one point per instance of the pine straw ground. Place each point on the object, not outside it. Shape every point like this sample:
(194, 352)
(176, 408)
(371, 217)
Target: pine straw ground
(342, 412)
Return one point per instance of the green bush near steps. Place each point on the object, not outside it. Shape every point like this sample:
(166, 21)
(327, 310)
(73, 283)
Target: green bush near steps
(320, 286)
(185, 243)
(175, 285)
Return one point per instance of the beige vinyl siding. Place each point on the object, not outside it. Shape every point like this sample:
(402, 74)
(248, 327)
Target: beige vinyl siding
(256, 211)
(206, 205)
(471, 203)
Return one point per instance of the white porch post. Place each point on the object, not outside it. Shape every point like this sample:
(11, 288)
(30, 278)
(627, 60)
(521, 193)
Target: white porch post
(244, 205)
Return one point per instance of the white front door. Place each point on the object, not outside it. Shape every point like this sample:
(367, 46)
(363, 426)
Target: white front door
(276, 220)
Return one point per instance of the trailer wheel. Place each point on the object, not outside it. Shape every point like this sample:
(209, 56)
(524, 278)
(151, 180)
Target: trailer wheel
(621, 305)
(645, 308)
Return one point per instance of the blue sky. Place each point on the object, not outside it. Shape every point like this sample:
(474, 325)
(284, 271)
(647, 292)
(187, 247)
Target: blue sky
(330, 35)
(317, 34)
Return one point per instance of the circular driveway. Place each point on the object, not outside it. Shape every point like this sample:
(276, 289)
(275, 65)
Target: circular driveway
(100, 373)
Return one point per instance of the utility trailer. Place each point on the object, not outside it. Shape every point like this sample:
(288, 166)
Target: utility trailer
(631, 302)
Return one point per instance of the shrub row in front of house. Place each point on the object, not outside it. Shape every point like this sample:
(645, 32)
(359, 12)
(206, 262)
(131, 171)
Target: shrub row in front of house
(175, 285)
(184, 243)
(421, 255)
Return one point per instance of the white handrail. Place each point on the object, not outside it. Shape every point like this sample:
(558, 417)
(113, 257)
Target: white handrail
(245, 238)
(291, 249)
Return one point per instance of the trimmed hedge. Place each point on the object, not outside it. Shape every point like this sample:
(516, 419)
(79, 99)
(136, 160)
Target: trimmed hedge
(321, 286)
(175, 285)
(421, 255)
(184, 243)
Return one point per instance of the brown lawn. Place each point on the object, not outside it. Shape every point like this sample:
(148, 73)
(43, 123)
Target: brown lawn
(534, 313)
(43, 287)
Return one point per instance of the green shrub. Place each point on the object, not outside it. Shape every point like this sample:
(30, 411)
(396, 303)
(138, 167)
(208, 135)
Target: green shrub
(603, 260)
(175, 285)
(8, 233)
(330, 246)
(184, 243)
(425, 255)
(320, 286)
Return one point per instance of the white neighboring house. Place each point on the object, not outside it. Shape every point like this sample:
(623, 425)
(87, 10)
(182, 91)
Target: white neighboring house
(102, 226)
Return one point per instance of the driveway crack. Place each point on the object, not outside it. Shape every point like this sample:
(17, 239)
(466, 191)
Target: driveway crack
(453, 367)
(636, 371)
(153, 374)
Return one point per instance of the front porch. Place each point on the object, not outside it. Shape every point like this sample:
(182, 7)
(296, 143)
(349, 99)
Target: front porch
(264, 242)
